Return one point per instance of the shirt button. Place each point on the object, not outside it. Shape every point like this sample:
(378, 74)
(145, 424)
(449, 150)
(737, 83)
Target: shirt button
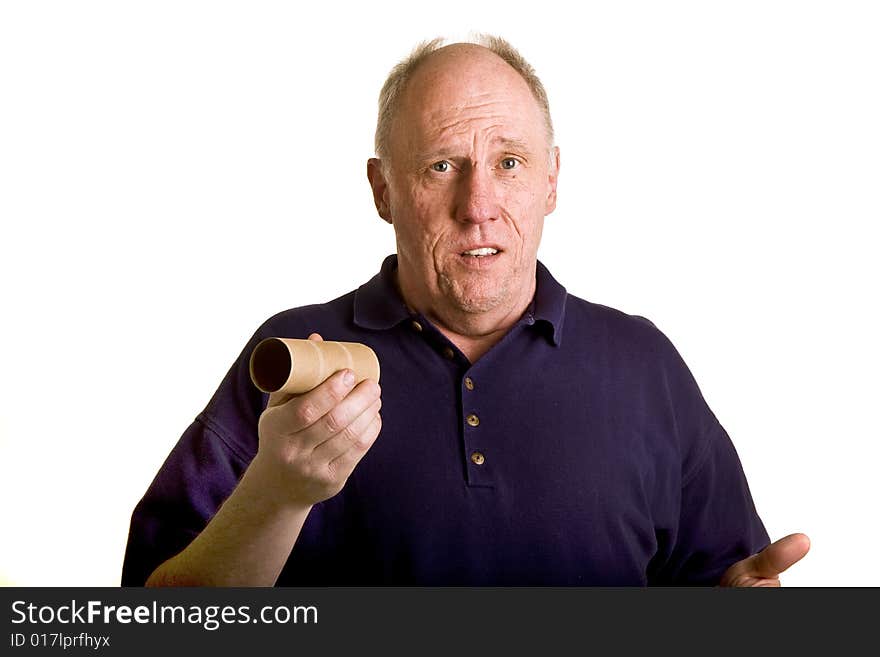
(478, 458)
(417, 326)
(473, 420)
(448, 353)
(468, 383)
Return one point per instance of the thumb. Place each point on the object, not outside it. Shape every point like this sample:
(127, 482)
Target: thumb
(316, 337)
(777, 557)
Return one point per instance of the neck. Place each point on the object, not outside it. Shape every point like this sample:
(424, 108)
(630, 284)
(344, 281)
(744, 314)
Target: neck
(473, 347)
(473, 333)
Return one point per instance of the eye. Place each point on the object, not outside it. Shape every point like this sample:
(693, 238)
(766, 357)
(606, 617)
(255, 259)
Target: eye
(509, 163)
(440, 167)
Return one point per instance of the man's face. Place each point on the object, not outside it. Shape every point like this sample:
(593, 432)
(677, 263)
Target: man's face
(470, 178)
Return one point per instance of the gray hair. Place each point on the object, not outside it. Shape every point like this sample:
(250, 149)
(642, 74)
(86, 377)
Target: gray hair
(389, 97)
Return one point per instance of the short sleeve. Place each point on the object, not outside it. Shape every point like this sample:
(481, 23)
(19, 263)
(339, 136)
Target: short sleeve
(196, 478)
(198, 475)
(718, 522)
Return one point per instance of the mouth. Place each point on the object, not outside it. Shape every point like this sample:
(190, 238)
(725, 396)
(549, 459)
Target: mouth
(481, 252)
(480, 258)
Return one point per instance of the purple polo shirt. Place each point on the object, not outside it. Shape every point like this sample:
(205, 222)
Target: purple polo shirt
(577, 451)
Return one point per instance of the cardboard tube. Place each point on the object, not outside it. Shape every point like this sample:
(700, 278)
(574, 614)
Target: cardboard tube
(296, 366)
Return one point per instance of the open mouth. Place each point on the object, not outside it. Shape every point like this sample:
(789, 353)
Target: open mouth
(482, 252)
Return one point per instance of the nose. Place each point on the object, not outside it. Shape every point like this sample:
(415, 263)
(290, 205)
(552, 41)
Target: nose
(477, 200)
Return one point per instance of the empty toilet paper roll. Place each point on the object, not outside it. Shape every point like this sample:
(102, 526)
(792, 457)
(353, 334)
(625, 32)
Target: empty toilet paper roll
(296, 366)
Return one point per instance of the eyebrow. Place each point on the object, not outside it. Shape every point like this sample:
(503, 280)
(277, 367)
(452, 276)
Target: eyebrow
(505, 142)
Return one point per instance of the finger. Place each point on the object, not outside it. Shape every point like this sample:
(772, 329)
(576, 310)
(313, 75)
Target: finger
(337, 420)
(316, 337)
(349, 437)
(346, 462)
(777, 557)
(309, 408)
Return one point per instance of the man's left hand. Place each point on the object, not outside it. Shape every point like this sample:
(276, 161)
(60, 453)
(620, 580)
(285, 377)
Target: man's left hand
(763, 568)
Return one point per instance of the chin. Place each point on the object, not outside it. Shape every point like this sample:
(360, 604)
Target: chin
(475, 296)
(477, 306)
(479, 302)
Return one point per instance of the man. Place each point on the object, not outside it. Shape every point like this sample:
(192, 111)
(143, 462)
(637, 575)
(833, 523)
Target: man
(528, 437)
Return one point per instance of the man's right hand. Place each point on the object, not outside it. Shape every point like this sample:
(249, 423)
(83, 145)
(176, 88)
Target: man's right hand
(309, 444)
(308, 447)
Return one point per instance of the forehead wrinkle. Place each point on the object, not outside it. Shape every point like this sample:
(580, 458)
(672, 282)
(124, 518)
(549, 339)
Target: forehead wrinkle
(438, 106)
(497, 113)
(492, 125)
(454, 146)
(512, 143)
(464, 127)
(446, 120)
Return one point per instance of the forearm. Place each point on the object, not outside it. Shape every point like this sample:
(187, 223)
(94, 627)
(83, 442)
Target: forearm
(246, 543)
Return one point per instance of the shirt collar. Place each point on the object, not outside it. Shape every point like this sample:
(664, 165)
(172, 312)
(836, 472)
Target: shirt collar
(549, 303)
(378, 305)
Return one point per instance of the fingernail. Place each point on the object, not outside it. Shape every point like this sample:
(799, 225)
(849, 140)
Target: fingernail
(348, 378)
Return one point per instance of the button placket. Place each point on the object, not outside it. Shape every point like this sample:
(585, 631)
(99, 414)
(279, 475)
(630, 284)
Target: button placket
(477, 454)
(479, 473)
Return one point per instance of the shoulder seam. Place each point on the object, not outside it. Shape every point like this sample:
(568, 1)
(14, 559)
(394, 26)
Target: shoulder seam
(223, 436)
(701, 460)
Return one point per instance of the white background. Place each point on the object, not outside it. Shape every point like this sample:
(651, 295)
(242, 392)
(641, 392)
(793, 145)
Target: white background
(172, 173)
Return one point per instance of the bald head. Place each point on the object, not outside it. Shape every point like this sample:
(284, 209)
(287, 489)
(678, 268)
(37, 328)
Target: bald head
(462, 57)
(484, 61)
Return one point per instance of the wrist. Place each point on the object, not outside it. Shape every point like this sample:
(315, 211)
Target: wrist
(266, 488)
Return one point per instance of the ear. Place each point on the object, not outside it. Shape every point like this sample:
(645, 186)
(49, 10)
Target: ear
(552, 178)
(380, 188)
